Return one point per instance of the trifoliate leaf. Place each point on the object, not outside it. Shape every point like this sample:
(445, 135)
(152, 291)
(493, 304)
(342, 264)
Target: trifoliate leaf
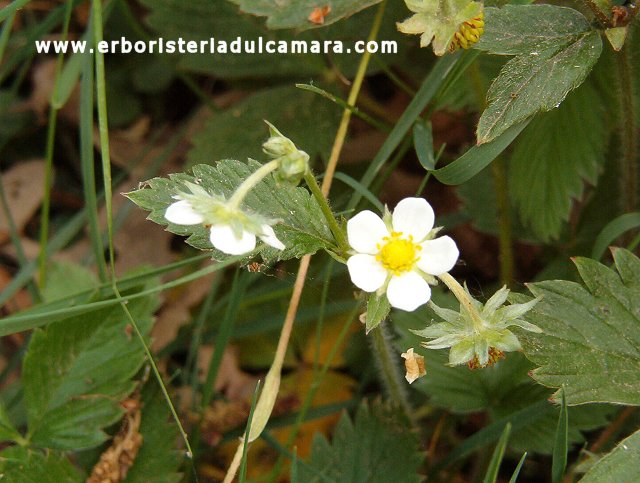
(238, 133)
(302, 14)
(549, 168)
(523, 29)
(159, 458)
(590, 342)
(76, 372)
(620, 465)
(19, 464)
(501, 390)
(377, 447)
(302, 229)
(545, 69)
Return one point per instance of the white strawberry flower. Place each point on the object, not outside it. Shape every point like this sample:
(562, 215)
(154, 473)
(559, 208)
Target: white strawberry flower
(232, 230)
(399, 255)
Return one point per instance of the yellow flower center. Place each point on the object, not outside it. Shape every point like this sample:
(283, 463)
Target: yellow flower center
(468, 33)
(398, 254)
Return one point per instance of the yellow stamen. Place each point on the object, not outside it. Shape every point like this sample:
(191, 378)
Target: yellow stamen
(398, 254)
(468, 33)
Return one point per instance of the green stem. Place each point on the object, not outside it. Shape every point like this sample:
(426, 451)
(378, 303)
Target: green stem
(498, 171)
(505, 236)
(386, 358)
(464, 299)
(249, 183)
(103, 128)
(628, 131)
(51, 137)
(335, 228)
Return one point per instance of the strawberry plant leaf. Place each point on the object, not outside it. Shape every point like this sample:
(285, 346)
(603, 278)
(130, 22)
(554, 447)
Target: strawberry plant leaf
(376, 447)
(620, 465)
(545, 69)
(76, 372)
(302, 229)
(590, 342)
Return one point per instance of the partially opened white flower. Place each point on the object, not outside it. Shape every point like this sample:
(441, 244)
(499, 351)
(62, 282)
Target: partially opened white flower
(400, 254)
(232, 231)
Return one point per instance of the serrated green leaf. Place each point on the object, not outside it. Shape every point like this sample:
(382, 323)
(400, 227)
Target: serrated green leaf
(620, 465)
(158, 459)
(294, 14)
(302, 229)
(548, 167)
(75, 373)
(378, 309)
(377, 447)
(523, 29)
(238, 133)
(590, 342)
(19, 464)
(502, 389)
(545, 69)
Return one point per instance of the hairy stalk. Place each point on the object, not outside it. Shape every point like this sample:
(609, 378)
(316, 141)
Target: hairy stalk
(387, 361)
(602, 17)
(498, 171)
(271, 386)
(338, 232)
(505, 237)
(464, 299)
(248, 184)
(628, 131)
(103, 129)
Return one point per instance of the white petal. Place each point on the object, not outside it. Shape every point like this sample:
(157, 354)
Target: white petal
(224, 239)
(413, 216)
(269, 237)
(438, 256)
(181, 213)
(365, 231)
(366, 272)
(408, 291)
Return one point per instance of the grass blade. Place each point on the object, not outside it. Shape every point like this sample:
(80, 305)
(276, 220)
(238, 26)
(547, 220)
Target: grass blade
(425, 94)
(516, 472)
(496, 459)
(245, 440)
(612, 231)
(477, 158)
(423, 144)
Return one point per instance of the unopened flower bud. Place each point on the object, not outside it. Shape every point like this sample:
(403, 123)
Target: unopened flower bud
(293, 166)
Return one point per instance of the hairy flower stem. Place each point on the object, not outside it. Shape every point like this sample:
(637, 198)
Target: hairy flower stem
(248, 184)
(386, 359)
(464, 299)
(335, 228)
(303, 268)
(628, 131)
(498, 171)
(505, 237)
